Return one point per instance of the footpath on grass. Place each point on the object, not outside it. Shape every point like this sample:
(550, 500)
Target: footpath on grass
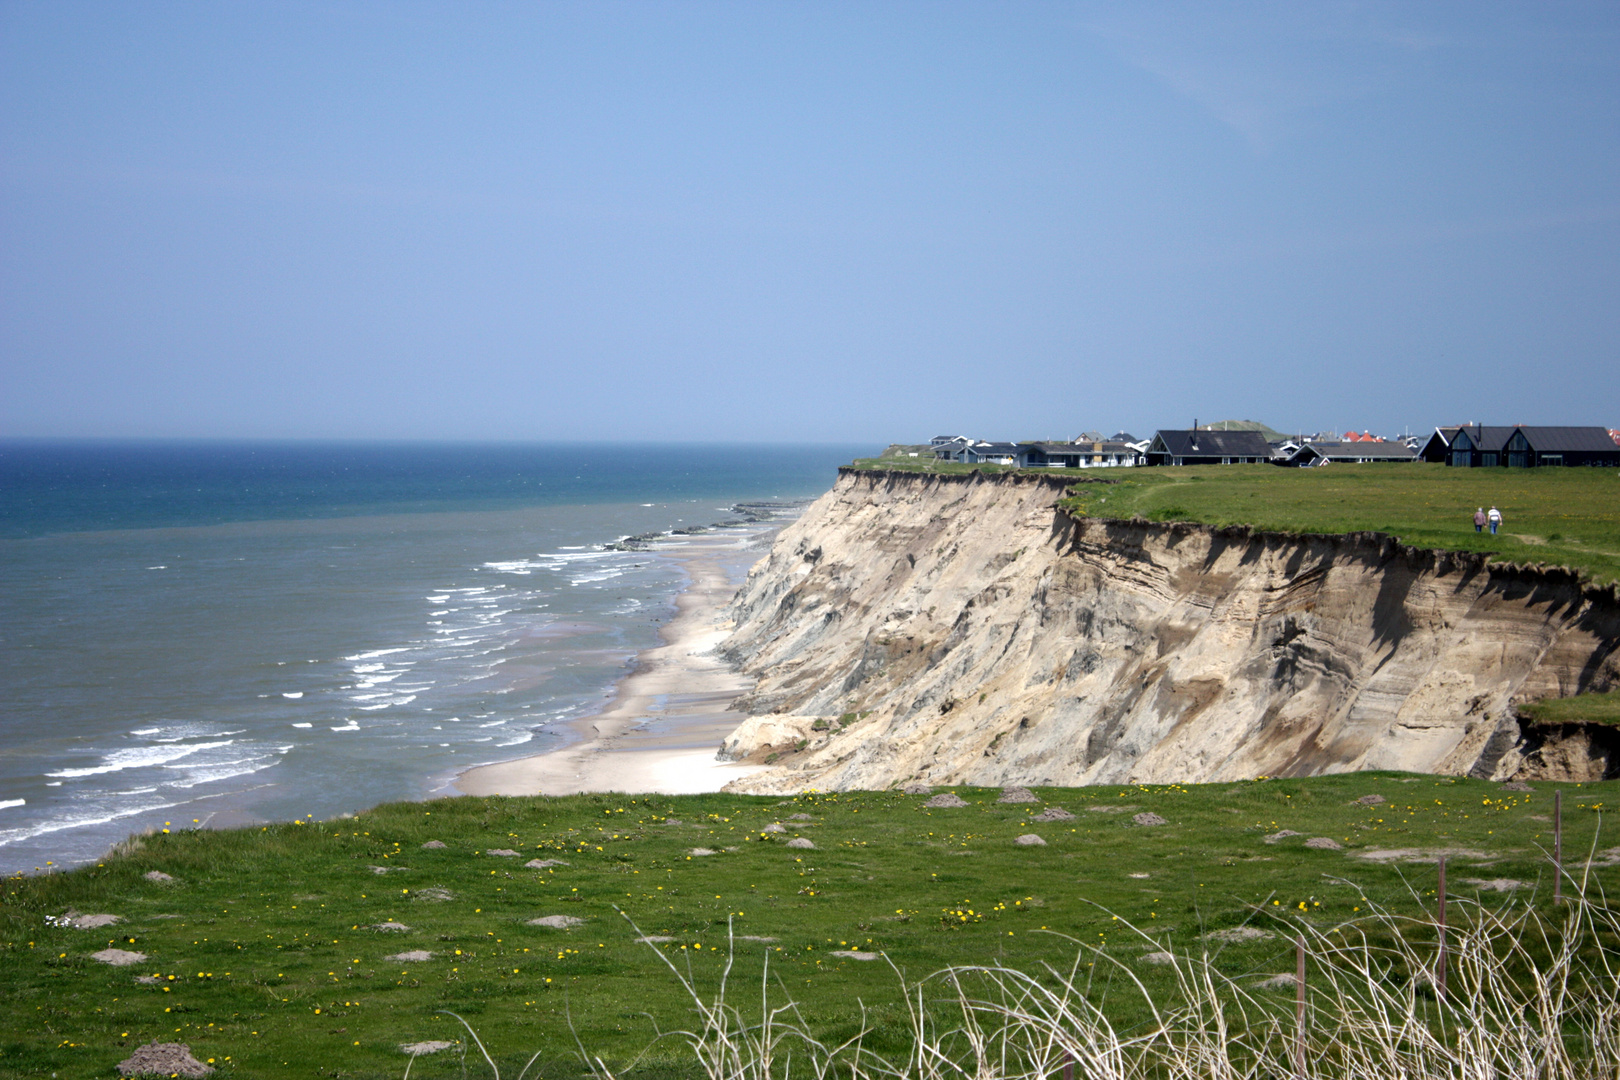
(270, 951)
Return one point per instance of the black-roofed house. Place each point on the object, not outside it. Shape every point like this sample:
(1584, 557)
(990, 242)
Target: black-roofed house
(1200, 447)
(1525, 447)
(1349, 453)
(1080, 454)
(986, 453)
(1437, 448)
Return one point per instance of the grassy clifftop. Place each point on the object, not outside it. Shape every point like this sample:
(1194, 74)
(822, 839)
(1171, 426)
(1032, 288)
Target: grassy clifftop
(262, 952)
(1564, 517)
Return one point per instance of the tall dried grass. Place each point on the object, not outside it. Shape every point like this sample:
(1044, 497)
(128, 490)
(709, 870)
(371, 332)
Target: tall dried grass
(1532, 993)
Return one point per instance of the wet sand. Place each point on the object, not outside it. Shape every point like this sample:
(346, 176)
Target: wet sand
(660, 730)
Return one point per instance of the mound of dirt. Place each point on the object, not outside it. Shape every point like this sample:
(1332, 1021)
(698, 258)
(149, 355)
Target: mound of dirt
(1277, 982)
(1159, 958)
(1017, 795)
(801, 842)
(93, 922)
(118, 957)
(431, 1046)
(1371, 800)
(1494, 884)
(1239, 934)
(415, 956)
(557, 922)
(1030, 840)
(390, 927)
(1279, 836)
(163, 1059)
(702, 851)
(854, 954)
(1148, 818)
(774, 827)
(503, 851)
(544, 864)
(432, 844)
(945, 800)
(158, 876)
(1324, 843)
(1417, 855)
(800, 817)
(1053, 813)
(917, 789)
(434, 893)
(1110, 809)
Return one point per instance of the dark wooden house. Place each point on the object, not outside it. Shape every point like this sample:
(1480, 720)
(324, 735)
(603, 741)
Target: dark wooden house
(1200, 447)
(1527, 447)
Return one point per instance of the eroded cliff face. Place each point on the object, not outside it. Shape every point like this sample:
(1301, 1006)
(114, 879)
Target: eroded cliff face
(980, 635)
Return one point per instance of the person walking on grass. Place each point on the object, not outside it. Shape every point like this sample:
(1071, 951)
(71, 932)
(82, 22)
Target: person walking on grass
(1495, 518)
(1479, 520)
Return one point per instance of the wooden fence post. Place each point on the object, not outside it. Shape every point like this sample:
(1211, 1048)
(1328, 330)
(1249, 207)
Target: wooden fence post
(1558, 847)
(1440, 964)
(1068, 1066)
(1299, 1005)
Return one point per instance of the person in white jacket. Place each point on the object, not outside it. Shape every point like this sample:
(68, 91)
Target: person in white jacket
(1495, 518)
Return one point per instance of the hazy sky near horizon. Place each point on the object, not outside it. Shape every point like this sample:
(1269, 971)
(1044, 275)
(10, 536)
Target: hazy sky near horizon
(807, 221)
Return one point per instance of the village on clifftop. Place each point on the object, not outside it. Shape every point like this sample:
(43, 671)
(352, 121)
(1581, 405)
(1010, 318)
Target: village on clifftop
(1247, 442)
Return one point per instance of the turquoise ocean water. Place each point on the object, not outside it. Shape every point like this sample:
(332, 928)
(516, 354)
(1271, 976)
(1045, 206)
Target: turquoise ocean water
(218, 633)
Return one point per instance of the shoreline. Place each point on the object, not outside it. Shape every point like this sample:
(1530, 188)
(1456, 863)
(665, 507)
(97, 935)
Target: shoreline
(667, 717)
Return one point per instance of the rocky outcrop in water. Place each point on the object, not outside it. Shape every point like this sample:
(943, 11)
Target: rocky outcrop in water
(963, 629)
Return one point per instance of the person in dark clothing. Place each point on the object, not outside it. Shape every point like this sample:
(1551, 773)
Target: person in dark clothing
(1479, 520)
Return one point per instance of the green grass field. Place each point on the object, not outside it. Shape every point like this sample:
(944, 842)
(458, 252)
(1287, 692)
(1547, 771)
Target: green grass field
(1580, 709)
(1564, 517)
(261, 957)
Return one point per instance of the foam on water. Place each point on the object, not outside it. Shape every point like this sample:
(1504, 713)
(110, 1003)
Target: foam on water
(139, 757)
(506, 620)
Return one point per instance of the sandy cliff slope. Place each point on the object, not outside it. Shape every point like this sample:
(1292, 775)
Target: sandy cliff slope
(982, 636)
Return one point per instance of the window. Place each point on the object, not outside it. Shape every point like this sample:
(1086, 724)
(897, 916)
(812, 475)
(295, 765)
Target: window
(1487, 460)
(1552, 459)
(1460, 458)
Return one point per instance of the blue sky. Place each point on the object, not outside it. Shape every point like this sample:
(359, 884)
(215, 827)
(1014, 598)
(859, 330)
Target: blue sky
(806, 221)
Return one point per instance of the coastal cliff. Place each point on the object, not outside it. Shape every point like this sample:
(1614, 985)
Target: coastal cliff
(963, 629)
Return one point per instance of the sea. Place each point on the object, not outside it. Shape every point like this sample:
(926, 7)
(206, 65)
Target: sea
(207, 634)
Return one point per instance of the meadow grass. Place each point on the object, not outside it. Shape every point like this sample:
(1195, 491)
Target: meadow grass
(1580, 709)
(1564, 517)
(265, 960)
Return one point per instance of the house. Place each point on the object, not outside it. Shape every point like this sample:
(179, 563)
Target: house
(1323, 453)
(1437, 449)
(1089, 454)
(1202, 447)
(946, 447)
(1523, 447)
(989, 453)
(1283, 449)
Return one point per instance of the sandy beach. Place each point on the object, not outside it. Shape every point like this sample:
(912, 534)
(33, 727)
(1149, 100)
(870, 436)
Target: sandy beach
(660, 730)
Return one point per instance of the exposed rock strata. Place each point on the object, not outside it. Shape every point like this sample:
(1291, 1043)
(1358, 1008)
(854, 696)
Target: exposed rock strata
(982, 636)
